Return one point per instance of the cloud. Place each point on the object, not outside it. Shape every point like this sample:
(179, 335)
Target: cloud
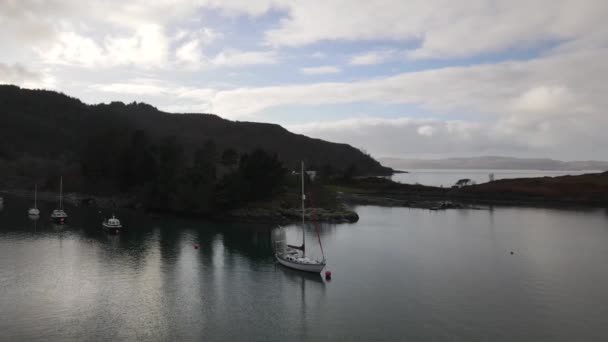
(147, 47)
(320, 70)
(135, 88)
(16, 74)
(442, 28)
(373, 57)
(20, 75)
(545, 103)
(406, 136)
(237, 58)
(432, 138)
(142, 50)
(489, 89)
(437, 28)
(189, 52)
(318, 54)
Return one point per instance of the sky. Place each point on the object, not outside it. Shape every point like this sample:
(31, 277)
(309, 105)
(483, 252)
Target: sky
(395, 78)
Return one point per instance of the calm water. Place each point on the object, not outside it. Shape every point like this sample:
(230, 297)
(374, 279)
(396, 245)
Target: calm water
(399, 274)
(447, 178)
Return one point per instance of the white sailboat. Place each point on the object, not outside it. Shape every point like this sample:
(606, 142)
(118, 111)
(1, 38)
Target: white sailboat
(59, 215)
(295, 256)
(112, 224)
(34, 211)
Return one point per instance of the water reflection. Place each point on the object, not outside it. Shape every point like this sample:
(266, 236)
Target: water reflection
(399, 274)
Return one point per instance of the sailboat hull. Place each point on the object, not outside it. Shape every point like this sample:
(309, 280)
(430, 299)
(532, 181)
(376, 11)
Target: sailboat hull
(59, 220)
(59, 216)
(314, 268)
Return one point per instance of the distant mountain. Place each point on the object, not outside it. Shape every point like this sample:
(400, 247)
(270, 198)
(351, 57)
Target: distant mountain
(51, 125)
(494, 163)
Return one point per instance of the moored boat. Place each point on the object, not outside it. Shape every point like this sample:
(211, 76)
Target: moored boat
(295, 256)
(34, 211)
(59, 216)
(112, 225)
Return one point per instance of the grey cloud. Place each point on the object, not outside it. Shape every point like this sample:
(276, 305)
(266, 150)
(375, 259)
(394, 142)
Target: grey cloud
(18, 74)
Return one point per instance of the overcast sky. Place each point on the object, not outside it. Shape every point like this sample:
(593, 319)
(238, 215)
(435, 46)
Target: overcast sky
(401, 78)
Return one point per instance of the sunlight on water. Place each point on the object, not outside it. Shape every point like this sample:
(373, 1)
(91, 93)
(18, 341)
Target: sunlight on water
(399, 274)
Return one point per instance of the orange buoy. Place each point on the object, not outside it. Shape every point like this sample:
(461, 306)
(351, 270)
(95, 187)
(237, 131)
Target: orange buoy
(328, 275)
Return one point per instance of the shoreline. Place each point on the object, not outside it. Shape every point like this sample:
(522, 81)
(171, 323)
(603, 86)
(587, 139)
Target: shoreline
(247, 214)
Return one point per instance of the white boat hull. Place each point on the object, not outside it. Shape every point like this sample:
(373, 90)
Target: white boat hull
(314, 268)
(33, 212)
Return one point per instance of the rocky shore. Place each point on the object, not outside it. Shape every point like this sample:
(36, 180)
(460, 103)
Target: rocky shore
(288, 215)
(78, 200)
(261, 214)
(588, 190)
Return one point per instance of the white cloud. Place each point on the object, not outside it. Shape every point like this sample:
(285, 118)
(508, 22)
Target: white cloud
(147, 47)
(430, 138)
(409, 136)
(236, 58)
(426, 130)
(135, 88)
(491, 89)
(551, 101)
(320, 70)
(189, 53)
(373, 57)
(443, 28)
(318, 54)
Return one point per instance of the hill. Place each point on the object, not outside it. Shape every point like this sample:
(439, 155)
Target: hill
(581, 190)
(495, 163)
(51, 125)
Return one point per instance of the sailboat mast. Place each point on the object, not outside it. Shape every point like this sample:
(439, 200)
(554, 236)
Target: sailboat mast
(35, 196)
(303, 199)
(61, 192)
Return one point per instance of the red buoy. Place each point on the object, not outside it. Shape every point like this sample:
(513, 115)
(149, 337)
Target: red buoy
(328, 275)
(195, 246)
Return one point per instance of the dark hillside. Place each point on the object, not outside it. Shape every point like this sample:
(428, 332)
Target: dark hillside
(47, 124)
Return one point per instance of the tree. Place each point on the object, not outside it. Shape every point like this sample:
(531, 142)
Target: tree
(463, 182)
(171, 161)
(229, 157)
(263, 172)
(210, 150)
(350, 172)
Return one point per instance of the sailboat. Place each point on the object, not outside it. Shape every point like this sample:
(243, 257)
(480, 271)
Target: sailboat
(295, 256)
(34, 211)
(112, 225)
(58, 215)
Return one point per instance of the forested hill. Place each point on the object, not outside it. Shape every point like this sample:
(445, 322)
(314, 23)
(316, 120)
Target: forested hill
(48, 124)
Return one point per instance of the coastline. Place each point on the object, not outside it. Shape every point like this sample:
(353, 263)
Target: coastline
(587, 190)
(266, 212)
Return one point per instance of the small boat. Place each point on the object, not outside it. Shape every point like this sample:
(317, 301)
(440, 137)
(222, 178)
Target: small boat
(34, 211)
(112, 224)
(295, 256)
(59, 216)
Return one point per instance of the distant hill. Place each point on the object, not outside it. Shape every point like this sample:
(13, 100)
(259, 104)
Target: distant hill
(494, 163)
(51, 125)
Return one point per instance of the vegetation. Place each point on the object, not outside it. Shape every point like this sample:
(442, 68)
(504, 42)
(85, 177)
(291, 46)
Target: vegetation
(587, 190)
(52, 126)
(196, 164)
(463, 182)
